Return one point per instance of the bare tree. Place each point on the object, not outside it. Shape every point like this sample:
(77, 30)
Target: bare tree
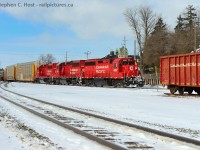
(142, 21)
(132, 18)
(148, 20)
(46, 59)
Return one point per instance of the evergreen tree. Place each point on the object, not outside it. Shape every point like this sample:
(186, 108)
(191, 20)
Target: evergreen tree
(183, 39)
(156, 45)
(159, 26)
(190, 15)
(186, 23)
(180, 24)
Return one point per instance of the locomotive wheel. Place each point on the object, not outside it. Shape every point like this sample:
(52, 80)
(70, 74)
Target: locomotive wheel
(115, 83)
(109, 82)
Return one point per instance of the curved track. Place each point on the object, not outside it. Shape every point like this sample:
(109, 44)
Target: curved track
(99, 134)
(179, 138)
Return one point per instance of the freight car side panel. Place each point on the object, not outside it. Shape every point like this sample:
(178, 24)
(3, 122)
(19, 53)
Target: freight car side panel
(180, 70)
(193, 69)
(172, 70)
(187, 67)
(26, 71)
(164, 71)
(5, 75)
(10, 73)
(198, 70)
(177, 71)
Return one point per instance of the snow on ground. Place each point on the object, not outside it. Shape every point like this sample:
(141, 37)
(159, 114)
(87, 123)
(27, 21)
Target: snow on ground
(147, 107)
(8, 141)
(20, 130)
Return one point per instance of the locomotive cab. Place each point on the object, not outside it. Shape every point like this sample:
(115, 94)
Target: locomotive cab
(126, 69)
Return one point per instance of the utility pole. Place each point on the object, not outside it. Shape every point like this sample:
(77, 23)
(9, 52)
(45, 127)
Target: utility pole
(195, 37)
(124, 41)
(124, 44)
(66, 57)
(87, 53)
(196, 22)
(134, 50)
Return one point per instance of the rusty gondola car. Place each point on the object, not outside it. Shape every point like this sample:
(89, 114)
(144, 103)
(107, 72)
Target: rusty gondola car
(181, 72)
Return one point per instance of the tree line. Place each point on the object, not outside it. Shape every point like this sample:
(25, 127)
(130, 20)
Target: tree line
(154, 37)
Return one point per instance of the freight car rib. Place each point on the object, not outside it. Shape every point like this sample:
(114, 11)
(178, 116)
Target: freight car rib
(149, 130)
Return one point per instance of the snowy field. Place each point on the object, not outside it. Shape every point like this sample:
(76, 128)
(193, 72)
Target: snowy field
(146, 107)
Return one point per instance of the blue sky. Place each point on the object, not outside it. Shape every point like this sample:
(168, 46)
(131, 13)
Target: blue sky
(90, 25)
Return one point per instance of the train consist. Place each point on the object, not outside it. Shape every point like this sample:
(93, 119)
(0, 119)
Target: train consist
(112, 71)
(181, 73)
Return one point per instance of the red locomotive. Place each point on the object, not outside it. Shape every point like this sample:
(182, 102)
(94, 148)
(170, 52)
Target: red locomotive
(93, 72)
(181, 73)
(46, 73)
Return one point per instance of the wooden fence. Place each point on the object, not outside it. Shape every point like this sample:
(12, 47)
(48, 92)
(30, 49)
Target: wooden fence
(151, 79)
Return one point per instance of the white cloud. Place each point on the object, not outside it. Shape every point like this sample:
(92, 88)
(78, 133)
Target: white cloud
(93, 18)
(88, 19)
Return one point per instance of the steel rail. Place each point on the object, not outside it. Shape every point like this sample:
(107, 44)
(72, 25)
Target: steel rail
(154, 131)
(80, 132)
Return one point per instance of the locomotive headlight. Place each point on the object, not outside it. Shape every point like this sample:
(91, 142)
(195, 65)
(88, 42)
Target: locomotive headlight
(131, 67)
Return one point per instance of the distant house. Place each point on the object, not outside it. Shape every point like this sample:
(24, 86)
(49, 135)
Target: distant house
(122, 52)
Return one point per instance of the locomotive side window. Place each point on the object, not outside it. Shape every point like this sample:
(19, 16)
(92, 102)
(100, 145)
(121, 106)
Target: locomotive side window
(90, 63)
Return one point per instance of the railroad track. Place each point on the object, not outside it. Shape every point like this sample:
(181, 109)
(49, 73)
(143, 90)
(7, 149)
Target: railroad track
(101, 135)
